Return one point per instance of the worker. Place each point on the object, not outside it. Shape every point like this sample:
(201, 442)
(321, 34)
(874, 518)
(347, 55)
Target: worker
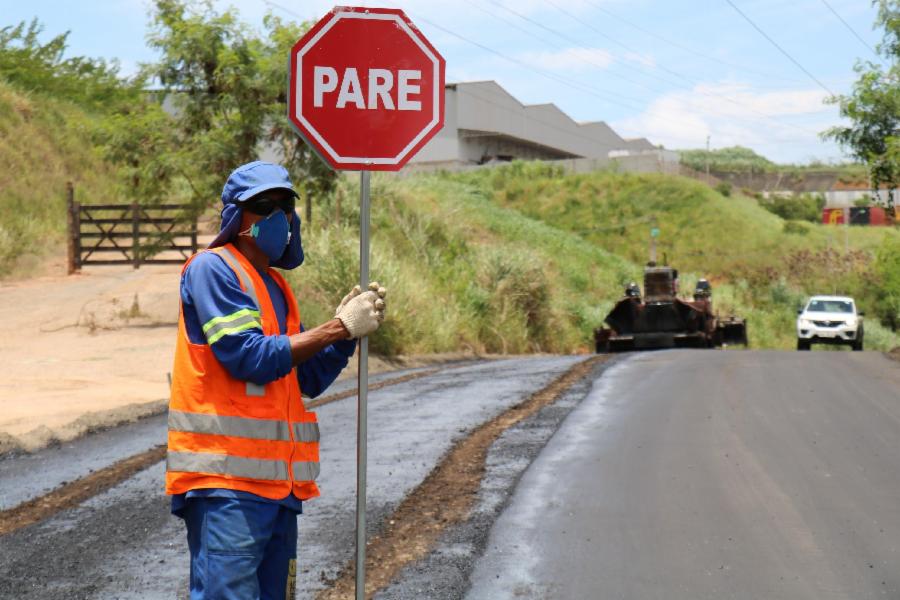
(633, 291)
(243, 451)
(703, 290)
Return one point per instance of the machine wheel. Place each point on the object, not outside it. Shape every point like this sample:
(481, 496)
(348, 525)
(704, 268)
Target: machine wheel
(803, 345)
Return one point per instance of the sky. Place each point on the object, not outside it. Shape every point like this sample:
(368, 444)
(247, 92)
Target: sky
(681, 73)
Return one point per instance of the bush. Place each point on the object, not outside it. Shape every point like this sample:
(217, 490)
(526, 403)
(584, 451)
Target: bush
(511, 296)
(724, 188)
(798, 207)
(735, 159)
(887, 268)
(41, 69)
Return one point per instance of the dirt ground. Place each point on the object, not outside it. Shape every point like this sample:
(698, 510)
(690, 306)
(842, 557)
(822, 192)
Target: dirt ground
(93, 350)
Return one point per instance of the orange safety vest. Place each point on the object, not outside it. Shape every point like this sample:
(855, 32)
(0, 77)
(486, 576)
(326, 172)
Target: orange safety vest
(227, 433)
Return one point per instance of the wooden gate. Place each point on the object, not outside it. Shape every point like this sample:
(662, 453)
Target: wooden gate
(135, 234)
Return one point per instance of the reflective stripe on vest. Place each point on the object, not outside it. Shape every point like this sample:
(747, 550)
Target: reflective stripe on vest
(306, 432)
(252, 389)
(305, 471)
(242, 274)
(222, 464)
(241, 320)
(257, 429)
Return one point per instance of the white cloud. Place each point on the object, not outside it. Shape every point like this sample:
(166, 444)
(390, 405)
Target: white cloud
(646, 60)
(570, 59)
(779, 124)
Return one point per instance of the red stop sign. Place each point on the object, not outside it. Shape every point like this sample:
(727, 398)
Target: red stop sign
(366, 89)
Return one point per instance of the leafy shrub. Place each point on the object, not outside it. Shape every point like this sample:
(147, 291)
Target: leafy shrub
(887, 268)
(724, 188)
(40, 68)
(734, 159)
(802, 207)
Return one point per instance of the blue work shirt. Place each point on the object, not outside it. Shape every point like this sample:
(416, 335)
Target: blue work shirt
(210, 289)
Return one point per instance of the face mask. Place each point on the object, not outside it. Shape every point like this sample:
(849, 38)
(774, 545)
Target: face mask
(271, 234)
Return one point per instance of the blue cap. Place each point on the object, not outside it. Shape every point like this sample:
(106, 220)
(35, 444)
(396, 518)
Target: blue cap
(245, 182)
(253, 178)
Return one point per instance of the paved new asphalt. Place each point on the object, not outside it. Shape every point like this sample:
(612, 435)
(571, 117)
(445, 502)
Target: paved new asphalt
(124, 543)
(693, 475)
(676, 475)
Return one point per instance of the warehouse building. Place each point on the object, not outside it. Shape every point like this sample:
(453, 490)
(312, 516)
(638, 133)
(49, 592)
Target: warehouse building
(483, 124)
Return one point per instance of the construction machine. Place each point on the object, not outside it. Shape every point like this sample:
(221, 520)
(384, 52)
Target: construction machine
(660, 319)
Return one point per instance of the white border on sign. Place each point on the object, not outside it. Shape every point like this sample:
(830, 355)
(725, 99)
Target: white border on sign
(298, 101)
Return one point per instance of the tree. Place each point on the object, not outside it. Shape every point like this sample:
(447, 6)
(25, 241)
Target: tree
(228, 86)
(41, 68)
(873, 107)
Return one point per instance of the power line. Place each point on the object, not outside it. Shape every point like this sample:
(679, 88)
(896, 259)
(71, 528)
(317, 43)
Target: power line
(780, 49)
(684, 48)
(562, 48)
(577, 85)
(850, 29)
(602, 95)
(507, 22)
(282, 8)
(690, 81)
(571, 40)
(564, 80)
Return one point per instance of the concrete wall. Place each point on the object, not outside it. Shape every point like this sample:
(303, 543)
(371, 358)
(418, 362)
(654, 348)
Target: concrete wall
(639, 145)
(445, 145)
(485, 110)
(838, 198)
(847, 198)
(656, 161)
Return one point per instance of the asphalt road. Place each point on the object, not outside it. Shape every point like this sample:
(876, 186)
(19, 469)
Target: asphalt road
(123, 543)
(676, 475)
(695, 474)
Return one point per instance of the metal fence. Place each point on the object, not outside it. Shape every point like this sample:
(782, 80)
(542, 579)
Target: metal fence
(135, 234)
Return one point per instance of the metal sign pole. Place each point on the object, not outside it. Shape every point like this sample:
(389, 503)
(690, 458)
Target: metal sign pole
(362, 391)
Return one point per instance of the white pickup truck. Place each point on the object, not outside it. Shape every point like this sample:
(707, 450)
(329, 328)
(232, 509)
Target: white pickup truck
(830, 320)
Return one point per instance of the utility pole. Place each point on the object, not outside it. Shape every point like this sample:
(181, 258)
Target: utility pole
(707, 160)
(847, 261)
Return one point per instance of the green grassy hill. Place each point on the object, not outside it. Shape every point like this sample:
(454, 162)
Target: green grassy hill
(700, 230)
(761, 265)
(463, 271)
(523, 258)
(515, 259)
(43, 144)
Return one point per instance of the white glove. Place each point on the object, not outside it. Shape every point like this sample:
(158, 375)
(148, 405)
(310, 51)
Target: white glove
(352, 294)
(362, 313)
(380, 304)
(375, 287)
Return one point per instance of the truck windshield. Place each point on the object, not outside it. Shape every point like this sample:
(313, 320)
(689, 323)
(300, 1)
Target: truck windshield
(830, 306)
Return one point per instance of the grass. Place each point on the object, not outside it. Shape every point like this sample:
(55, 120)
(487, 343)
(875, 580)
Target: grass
(762, 266)
(43, 144)
(523, 258)
(516, 259)
(466, 272)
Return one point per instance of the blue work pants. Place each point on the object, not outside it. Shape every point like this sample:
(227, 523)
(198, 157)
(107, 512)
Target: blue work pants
(241, 549)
